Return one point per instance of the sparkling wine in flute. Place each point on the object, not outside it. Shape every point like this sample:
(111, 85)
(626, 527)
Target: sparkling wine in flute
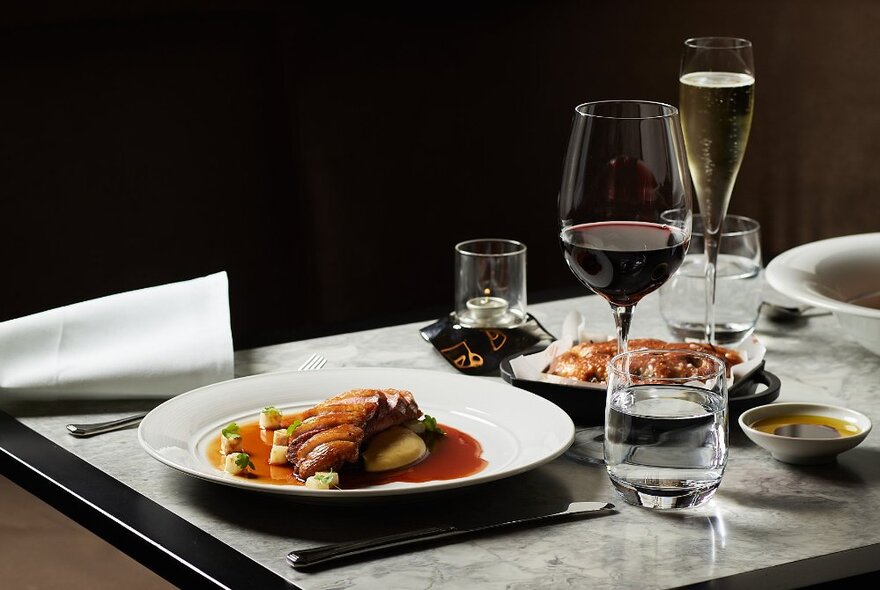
(716, 116)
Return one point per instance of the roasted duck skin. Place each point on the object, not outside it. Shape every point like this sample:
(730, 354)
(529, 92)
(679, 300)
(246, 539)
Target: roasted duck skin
(589, 361)
(333, 432)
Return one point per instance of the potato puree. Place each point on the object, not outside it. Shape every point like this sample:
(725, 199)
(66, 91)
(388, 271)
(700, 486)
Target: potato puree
(393, 448)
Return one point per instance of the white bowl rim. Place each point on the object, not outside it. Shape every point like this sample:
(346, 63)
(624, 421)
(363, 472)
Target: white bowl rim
(779, 408)
(814, 252)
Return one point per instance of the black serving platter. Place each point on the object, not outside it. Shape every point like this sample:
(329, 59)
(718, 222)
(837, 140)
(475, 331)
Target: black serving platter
(586, 405)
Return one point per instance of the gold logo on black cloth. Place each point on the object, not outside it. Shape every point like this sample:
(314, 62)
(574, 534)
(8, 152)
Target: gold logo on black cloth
(462, 359)
(497, 339)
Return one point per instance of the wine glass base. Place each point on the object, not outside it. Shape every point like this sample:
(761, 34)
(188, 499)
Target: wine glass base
(588, 446)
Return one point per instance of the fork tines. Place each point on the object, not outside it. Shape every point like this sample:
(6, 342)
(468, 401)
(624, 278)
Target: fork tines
(313, 363)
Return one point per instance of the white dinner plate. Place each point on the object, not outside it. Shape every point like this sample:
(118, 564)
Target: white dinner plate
(517, 429)
(794, 273)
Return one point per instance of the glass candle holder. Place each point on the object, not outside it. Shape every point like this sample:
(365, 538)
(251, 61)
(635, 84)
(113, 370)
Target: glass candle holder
(490, 283)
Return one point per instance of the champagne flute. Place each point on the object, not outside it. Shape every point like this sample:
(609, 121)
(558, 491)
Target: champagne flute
(716, 98)
(624, 212)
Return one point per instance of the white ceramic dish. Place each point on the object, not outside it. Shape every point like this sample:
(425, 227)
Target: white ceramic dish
(517, 430)
(804, 451)
(812, 274)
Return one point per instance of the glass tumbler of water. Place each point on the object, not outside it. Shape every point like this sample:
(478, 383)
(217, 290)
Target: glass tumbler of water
(666, 427)
(739, 285)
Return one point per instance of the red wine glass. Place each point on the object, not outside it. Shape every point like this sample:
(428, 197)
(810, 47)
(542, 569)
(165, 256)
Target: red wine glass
(624, 212)
(625, 203)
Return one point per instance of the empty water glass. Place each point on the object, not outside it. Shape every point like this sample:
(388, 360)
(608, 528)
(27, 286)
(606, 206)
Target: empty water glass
(739, 285)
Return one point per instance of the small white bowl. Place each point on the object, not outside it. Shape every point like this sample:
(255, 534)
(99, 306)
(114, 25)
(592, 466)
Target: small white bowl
(841, 275)
(798, 450)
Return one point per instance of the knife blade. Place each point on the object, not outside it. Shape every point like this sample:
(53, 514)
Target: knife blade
(305, 558)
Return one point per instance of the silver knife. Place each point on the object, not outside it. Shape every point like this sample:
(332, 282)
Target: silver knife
(304, 558)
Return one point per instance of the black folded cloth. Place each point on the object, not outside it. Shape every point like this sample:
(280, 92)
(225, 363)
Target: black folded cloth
(479, 351)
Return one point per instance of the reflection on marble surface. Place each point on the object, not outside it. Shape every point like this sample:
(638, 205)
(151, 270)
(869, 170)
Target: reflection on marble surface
(765, 513)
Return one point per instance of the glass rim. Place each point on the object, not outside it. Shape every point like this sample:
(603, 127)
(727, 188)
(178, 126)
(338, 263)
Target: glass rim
(732, 43)
(519, 247)
(754, 223)
(661, 380)
(669, 110)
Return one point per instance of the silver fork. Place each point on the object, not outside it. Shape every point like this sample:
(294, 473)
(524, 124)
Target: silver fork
(313, 363)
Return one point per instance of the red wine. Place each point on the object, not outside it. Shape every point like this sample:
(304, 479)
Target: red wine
(623, 261)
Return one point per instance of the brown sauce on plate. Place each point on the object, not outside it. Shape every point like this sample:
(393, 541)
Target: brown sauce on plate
(452, 456)
(872, 301)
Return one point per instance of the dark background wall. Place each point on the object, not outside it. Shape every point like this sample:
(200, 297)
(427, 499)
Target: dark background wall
(330, 157)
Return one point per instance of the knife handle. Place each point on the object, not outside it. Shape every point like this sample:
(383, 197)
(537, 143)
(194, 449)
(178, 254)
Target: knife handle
(84, 430)
(302, 558)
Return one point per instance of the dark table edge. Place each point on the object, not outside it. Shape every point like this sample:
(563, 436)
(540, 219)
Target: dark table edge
(834, 570)
(188, 557)
(175, 549)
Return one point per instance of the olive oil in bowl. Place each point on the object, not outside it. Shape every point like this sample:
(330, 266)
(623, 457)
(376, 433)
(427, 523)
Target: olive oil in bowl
(804, 433)
(806, 426)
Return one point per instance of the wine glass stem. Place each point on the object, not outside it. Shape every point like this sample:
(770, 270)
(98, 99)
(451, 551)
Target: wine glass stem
(712, 246)
(622, 318)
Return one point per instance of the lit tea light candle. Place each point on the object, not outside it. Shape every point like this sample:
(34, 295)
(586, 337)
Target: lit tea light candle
(487, 309)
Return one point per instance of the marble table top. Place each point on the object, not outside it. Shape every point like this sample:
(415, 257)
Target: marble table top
(822, 521)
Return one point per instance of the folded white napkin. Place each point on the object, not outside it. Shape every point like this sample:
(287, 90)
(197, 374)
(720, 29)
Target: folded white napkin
(150, 343)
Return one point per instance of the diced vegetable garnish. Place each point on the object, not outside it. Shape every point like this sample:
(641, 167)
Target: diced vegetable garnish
(230, 444)
(323, 480)
(230, 439)
(431, 425)
(278, 454)
(236, 463)
(279, 437)
(270, 418)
